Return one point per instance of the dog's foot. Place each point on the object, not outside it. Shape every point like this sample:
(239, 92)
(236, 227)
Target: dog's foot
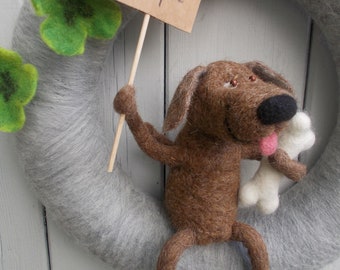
(125, 102)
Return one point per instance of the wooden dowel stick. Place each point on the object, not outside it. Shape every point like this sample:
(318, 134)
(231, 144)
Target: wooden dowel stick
(131, 82)
(139, 48)
(116, 142)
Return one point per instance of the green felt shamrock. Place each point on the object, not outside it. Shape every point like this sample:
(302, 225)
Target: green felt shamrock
(69, 22)
(18, 83)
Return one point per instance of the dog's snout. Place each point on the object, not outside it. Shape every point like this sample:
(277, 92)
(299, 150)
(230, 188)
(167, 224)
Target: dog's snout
(276, 109)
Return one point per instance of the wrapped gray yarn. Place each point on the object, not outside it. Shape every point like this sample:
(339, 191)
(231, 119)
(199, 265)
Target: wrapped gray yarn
(65, 154)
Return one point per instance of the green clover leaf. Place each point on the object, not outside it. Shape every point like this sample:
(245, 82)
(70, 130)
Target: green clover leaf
(18, 83)
(70, 22)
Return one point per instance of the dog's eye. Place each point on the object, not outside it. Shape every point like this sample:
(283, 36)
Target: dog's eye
(231, 84)
(234, 82)
(252, 78)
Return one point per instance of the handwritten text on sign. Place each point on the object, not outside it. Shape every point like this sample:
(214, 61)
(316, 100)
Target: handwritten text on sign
(178, 13)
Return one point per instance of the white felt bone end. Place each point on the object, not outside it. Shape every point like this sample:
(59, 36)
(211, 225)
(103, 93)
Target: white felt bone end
(300, 122)
(298, 136)
(249, 194)
(268, 206)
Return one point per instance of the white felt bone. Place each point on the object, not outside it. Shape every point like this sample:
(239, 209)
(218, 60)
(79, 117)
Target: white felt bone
(263, 189)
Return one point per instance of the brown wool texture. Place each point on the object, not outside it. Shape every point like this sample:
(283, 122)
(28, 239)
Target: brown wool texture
(222, 127)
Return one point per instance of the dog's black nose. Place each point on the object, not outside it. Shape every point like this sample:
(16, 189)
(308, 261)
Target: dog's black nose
(276, 109)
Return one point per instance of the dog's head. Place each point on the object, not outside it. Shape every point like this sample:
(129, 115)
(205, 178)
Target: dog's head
(232, 101)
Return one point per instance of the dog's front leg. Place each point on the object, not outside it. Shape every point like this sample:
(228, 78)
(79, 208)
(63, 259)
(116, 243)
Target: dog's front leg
(293, 169)
(153, 144)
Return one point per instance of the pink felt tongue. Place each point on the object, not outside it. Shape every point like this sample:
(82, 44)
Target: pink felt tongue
(268, 144)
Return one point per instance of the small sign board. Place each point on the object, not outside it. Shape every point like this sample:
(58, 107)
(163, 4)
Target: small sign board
(178, 13)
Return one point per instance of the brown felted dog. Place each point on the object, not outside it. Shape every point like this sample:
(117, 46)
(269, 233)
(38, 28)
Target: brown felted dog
(234, 111)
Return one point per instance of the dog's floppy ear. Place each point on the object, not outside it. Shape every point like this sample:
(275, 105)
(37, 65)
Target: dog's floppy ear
(181, 100)
(268, 75)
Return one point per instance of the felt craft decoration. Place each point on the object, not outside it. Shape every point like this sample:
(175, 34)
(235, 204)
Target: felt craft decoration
(18, 83)
(64, 153)
(263, 189)
(232, 110)
(70, 22)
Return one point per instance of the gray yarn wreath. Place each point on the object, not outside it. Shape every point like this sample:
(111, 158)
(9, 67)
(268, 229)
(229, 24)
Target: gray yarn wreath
(65, 154)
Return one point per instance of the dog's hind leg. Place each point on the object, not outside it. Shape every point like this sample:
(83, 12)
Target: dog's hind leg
(174, 247)
(254, 243)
